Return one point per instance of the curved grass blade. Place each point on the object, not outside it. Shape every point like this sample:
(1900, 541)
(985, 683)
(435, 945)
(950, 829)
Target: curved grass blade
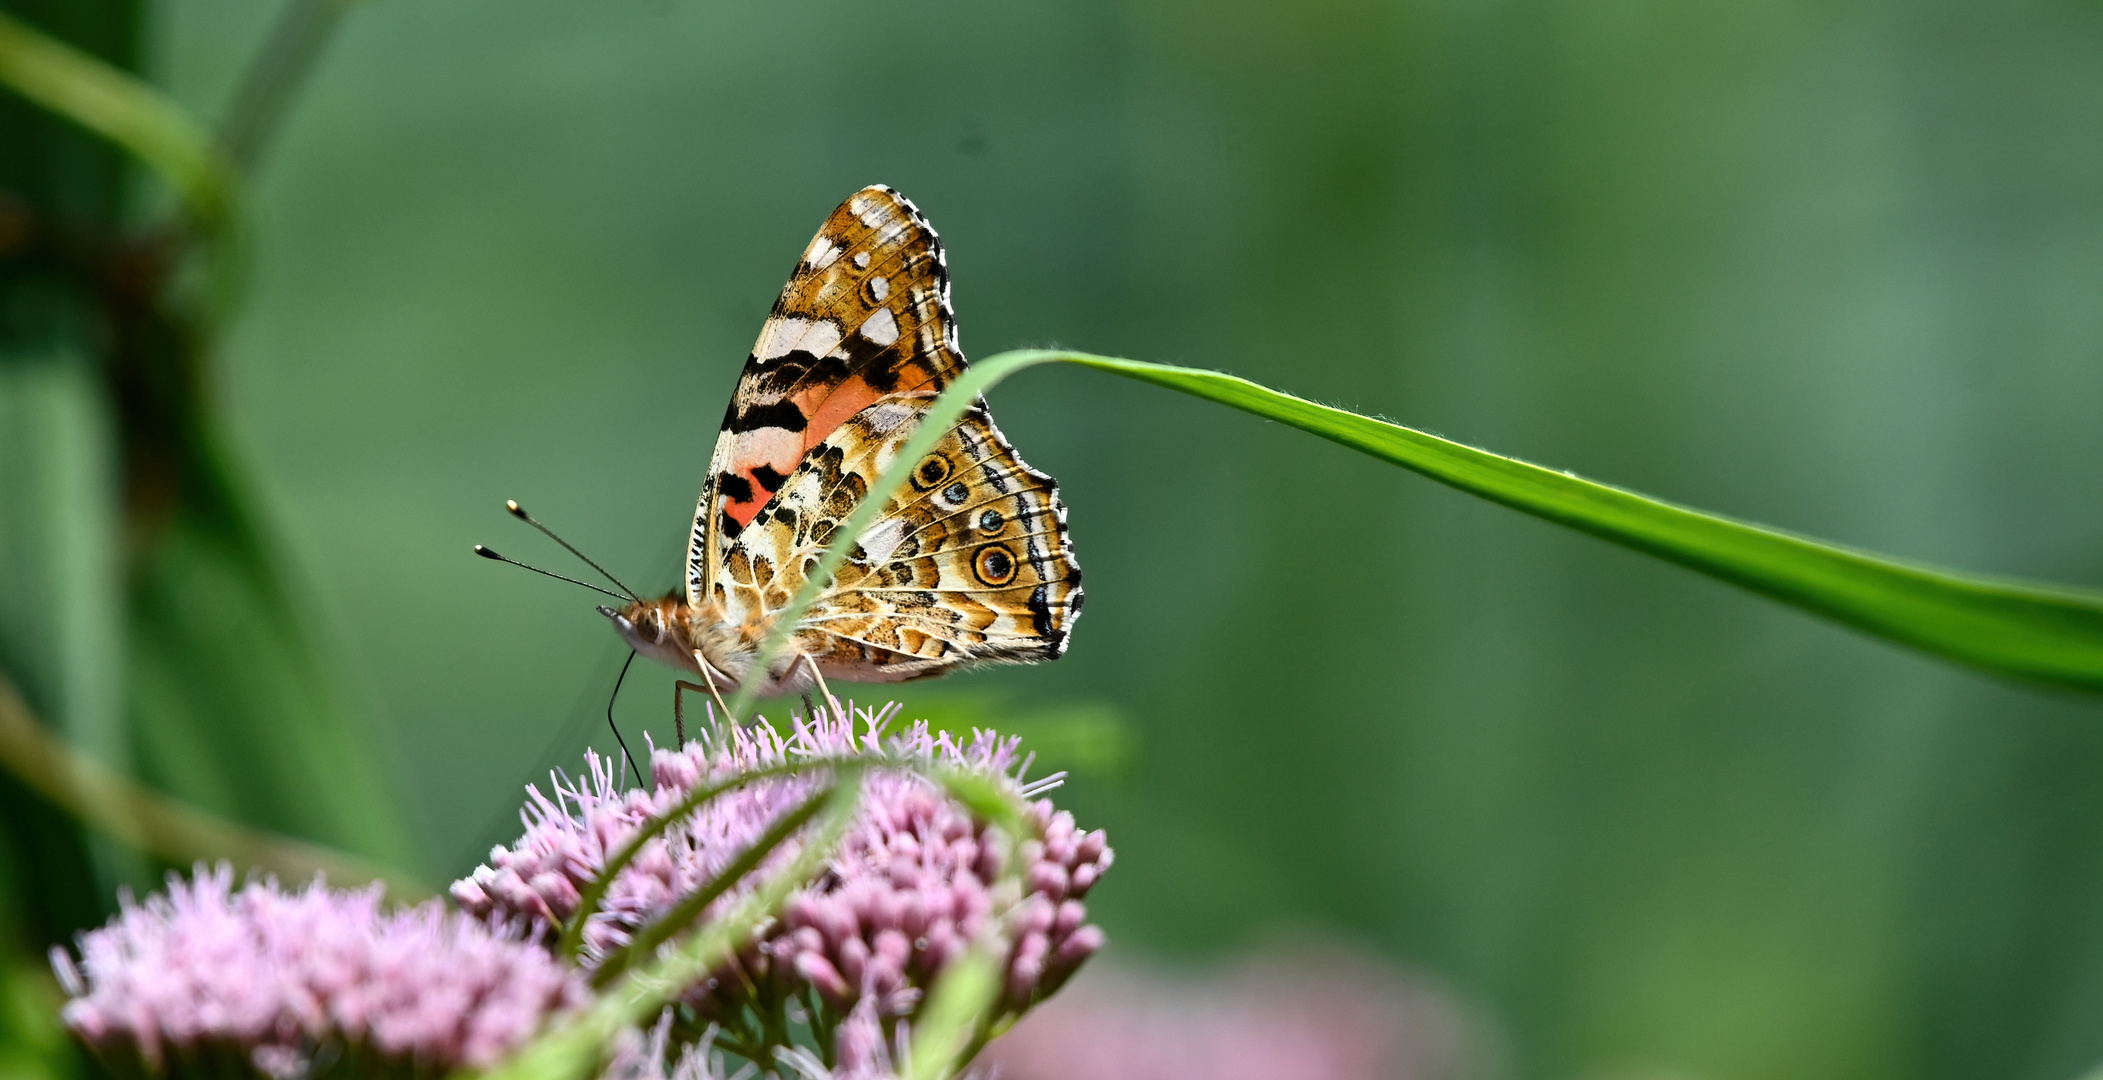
(594, 893)
(274, 76)
(574, 1048)
(675, 921)
(2043, 632)
(951, 1028)
(2048, 634)
(124, 110)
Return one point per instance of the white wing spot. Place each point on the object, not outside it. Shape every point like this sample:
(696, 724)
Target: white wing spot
(861, 260)
(822, 253)
(879, 288)
(880, 327)
(881, 540)
(874, 212)
(884, 417)
(785, 335)
(771, 445)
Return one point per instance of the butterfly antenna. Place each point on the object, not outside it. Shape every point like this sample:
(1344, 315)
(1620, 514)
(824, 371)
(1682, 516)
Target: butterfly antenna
(519, 512)
(488, 554)
(616, 696)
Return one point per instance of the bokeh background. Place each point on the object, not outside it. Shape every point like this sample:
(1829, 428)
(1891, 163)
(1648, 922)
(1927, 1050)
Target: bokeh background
(1836, 267)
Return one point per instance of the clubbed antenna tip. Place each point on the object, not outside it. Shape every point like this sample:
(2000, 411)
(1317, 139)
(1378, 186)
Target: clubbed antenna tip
(488, 554)
(519, 512)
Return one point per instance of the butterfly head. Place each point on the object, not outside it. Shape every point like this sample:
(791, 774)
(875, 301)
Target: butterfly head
(658, 629)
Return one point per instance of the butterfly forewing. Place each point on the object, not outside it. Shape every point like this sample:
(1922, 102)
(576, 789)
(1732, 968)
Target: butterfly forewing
(865, 315)
(969, 563)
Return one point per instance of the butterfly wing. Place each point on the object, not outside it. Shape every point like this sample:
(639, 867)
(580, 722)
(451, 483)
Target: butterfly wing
(968, 564)
(864, 316)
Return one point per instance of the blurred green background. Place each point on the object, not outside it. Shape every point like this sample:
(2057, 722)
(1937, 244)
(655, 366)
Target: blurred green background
(1836, 267)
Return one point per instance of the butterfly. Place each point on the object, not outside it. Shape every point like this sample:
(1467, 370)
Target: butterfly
(968, 564)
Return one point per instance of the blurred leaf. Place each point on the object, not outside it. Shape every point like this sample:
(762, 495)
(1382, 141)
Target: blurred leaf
(61, 619)
(595, 891)
(1092, 738)
(226, 690)
(233, 708)
(273, 76)
(957, 1010)
(33, 1044)
(986, 798)
(680, 918)
(173, 832)
(124, 110)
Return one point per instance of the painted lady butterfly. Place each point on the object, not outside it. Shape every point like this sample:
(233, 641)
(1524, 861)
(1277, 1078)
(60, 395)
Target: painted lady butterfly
(968, 564)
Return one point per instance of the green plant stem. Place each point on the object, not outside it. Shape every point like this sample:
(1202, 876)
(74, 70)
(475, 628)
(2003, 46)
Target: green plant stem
(982, 796)
(575, 1047)
(648, 938)
(961, 1011)
(126, 111)
(594, 893)
(274, 77)
(159, 826)
(2043, 633)
(958, 1010)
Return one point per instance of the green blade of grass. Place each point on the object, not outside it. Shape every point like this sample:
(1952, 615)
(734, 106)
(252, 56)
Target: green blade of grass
(595, 891)
(690, 907)
(576, 1046)
(962, 1010)
(947, 1034)
(2044, 633)
(113, 104)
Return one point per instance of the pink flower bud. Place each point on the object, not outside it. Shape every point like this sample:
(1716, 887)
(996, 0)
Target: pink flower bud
(1026, 967)
(853, 960)
(824, 978)
(1047, 878)
(1072, 914)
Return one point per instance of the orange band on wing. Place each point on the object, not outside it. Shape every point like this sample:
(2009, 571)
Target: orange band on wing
(829, 406)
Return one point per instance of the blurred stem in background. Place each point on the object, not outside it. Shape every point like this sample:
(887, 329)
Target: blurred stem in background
(142, 821)
(144, 611)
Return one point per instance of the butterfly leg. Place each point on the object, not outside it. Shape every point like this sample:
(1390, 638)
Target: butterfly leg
(707, 675)
(616, 696)
(679, 689)
(822, 688)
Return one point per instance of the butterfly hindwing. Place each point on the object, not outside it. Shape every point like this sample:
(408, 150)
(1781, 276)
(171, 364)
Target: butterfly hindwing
(969, 561)
(968, 564)
(864, 316)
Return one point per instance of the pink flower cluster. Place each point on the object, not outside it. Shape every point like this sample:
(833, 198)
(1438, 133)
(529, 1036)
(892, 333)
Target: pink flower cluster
(267, 979)
(910, 888)
(213, 980)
